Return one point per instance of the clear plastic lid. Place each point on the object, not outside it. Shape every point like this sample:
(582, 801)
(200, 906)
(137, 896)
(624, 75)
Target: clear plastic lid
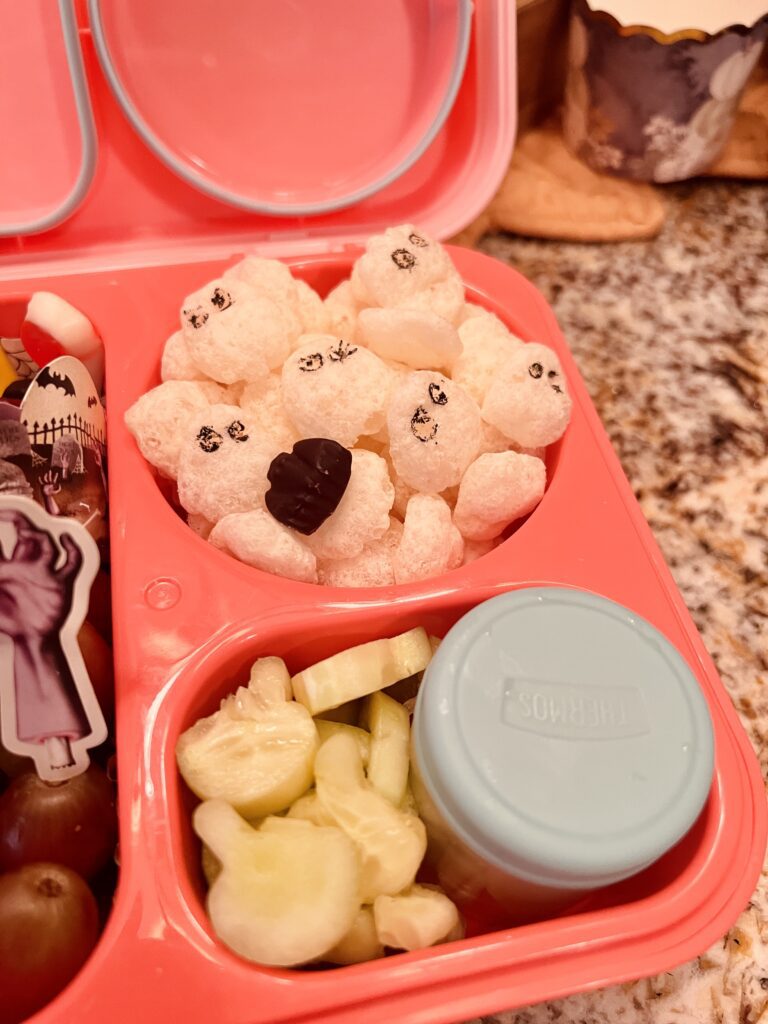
(563, 738)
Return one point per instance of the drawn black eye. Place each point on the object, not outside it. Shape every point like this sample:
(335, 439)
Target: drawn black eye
(415, 239)
(403, 259)
(195, 317)
(308, 364)
(551, 374)
(340, 352)
(236, 431)
(221, 299)
(536, 370)
(423, 426)
(437, 394)
(209, 439)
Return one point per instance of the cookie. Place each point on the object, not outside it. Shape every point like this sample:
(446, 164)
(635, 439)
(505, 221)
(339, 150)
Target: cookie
(473, 232)
(550, 193)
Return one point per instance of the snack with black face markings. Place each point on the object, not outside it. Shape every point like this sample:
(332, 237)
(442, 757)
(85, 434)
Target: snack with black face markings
(235, 333)
(434, 431)
(528, 399)
(222, 464)
(405, 268)
(157, 419)
(335, 388)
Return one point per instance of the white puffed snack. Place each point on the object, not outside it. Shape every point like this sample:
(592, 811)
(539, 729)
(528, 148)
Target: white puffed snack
(232, 393)
(434, 431)
(492, 440)
(235, 333)
(332, 388)
(398, 265)
(156, 419)
(474, 549)
(362, 515)
(486, 344)
(403, 494)
(314, 317)
(528, 400)
(272, 279)
(342, 308)
(176, 362)
(497, 489)
(262, 404)
(222, 464)
(414, 338)
(444, 299)
(259, 540)
(470, 309)
(428, 542)
(371, 568)
(538, 452)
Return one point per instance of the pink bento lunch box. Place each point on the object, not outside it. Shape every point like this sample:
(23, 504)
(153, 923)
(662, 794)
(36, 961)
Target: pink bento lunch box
(123, 228)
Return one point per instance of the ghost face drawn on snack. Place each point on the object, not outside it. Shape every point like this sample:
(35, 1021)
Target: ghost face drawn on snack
(528, 400)
(332, 388)
(234, 333)
(398, 265)
(157, 419)
(222, 464)
(434, 431)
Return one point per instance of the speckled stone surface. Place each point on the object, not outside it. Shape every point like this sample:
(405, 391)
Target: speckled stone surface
(671, 337)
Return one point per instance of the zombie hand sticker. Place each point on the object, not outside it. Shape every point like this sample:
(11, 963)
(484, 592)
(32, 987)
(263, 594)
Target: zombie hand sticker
(48, 709)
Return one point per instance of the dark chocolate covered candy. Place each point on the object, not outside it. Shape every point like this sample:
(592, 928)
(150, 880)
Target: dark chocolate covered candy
(308, 484)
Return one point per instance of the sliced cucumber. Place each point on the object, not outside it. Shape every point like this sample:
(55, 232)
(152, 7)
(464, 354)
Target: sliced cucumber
(361, 670)
(286, 893)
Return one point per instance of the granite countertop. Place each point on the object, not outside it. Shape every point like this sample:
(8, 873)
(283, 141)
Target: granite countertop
(671, 336)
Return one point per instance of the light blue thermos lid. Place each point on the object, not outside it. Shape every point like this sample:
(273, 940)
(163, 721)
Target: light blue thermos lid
(562, 738)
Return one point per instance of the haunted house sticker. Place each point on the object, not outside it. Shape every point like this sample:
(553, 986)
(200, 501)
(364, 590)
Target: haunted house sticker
(52, 446)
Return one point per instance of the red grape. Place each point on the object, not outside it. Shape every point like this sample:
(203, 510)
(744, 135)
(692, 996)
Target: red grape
(49, 924)
(71, 822)
(97, 656)
(100, 607)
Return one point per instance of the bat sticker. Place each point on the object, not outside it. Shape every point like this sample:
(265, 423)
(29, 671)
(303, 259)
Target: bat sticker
(47, 377)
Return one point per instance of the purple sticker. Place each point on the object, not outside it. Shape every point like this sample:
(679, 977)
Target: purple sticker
(48, 708)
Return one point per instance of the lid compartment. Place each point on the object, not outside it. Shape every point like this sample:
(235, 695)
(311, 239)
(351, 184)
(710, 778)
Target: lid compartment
(285, 109)
(46, 111)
